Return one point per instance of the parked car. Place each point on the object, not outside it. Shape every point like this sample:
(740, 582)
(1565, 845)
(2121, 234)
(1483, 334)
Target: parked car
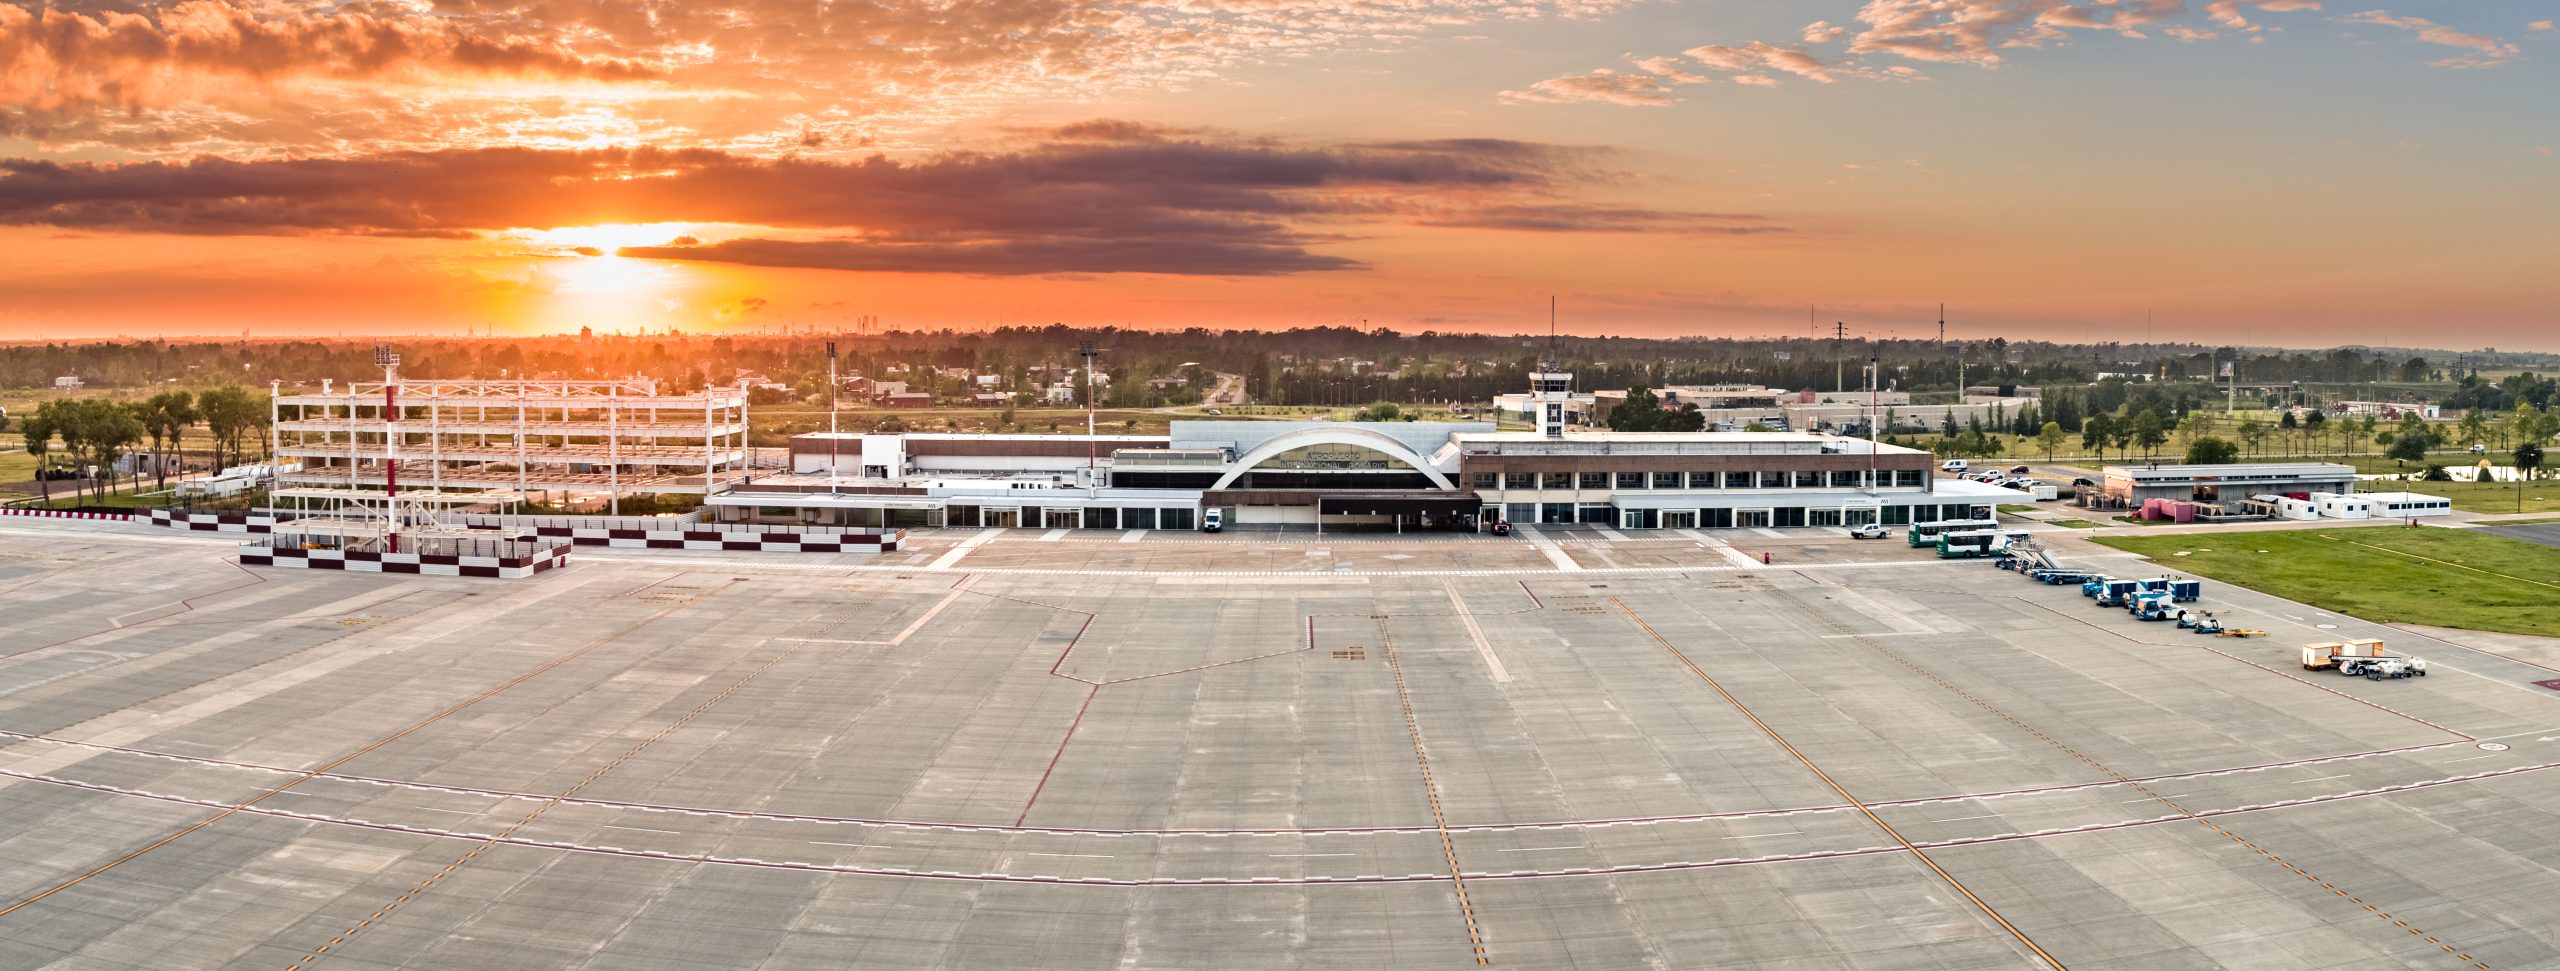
(1954, 466)
(1867, 531)
(2020, 470)
(2082, 482)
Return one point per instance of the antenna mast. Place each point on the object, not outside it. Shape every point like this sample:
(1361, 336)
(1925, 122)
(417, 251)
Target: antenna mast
(1551, 331)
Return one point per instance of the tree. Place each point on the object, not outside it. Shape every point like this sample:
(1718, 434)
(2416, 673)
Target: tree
(2528, 458)
(165, 417)
(2288, 423)
(2202, 423)
(2409, 447)
(2312, 424)
(2121, 433)
(234, 416)
(2051, 437)
(1687, 419)
(2095, 432)
(1383, 411)
(38, 430)
(2528, 424)
(114, 429)
(2209, 450)
(2475, 428)
(1641, 412)
(2436, 473)
(2150, 431)
(2254, 434)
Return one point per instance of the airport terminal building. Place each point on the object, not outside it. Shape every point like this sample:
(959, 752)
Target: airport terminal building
(1329, 475)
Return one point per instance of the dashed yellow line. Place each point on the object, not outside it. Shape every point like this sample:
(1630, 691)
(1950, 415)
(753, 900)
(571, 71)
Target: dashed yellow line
(1431, 788)
(1853, 801)
(378, 743)
(2121, 778)
(318, 952)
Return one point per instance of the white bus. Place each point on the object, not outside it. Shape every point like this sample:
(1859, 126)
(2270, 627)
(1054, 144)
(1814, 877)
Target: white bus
(1926, 534)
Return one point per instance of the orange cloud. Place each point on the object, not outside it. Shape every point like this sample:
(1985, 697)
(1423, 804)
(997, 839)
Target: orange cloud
(53, 59)
(2485, 51)
(1604, 85)
(1156, 206)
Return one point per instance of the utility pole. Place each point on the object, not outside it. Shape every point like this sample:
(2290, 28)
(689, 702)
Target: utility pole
(1942, 346)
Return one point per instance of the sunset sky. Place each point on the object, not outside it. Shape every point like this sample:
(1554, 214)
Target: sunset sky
(2270, 171)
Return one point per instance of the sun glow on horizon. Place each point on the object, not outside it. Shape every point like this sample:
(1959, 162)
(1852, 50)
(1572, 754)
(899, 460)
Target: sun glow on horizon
(603, 238)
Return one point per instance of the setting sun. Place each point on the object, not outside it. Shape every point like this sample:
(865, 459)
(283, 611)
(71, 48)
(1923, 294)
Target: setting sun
(604, 238)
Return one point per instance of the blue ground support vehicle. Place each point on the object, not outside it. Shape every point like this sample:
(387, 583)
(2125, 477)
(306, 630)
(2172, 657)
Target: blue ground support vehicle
(2117, 593)
(2186, 591)
(2094, 584)
(2150, 605)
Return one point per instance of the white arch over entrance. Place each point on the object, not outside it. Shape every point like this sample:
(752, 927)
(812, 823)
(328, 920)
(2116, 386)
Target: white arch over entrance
(1356, 437)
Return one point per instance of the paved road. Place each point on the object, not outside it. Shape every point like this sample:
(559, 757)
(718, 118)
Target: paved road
(2547, 534)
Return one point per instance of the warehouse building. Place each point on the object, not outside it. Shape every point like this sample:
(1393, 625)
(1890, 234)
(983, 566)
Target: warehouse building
(2137, 484)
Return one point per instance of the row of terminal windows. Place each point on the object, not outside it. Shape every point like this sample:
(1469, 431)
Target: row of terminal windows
(1622, 481)
(1565, 513)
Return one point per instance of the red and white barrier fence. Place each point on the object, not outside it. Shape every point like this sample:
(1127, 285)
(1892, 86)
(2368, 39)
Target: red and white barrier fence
(424, 564)
(66, 514)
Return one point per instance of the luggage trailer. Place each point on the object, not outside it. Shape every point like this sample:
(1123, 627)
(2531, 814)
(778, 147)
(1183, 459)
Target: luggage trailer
(2362, 656)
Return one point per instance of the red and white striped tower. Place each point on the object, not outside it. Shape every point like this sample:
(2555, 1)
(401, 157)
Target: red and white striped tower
(390, 363)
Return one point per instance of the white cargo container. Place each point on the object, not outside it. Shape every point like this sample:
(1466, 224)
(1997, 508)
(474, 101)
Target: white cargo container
(2407, 505)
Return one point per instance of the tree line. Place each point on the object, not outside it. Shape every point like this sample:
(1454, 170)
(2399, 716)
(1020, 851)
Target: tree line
(96, 433)
(1307, 365)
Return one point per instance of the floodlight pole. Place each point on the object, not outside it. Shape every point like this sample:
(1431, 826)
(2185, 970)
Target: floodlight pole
(831, 418)
(1875, 379)
(390, 364)
(1089, 351)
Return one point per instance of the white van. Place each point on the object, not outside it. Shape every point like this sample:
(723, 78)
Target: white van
(1212, 519)
(1954, 467)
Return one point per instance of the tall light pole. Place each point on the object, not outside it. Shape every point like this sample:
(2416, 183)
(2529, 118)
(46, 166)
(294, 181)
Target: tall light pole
(1089, 350)
(389, 361)
(831, 418)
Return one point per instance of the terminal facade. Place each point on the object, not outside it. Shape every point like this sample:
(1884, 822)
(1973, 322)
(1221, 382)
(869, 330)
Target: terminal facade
(1380, 475)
